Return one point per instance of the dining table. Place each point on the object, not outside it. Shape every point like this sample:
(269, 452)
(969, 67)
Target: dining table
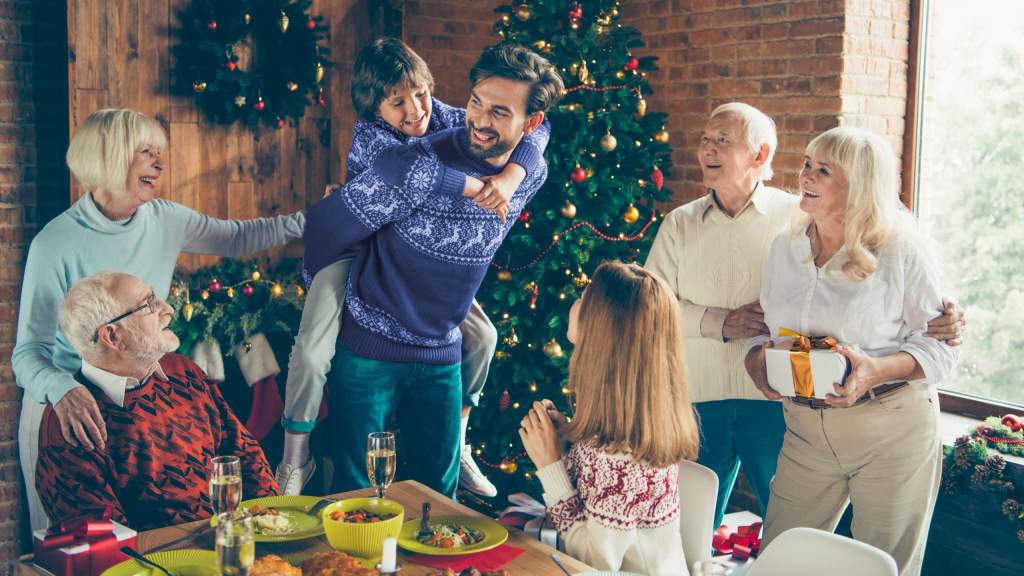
(534, 561)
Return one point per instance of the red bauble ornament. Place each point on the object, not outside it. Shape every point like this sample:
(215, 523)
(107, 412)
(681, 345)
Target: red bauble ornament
(321, 100)
(214, 286)
(247, 290)
(310, 24)
(633, 63)
(578, 175)
(576, 12)
(1013, 422)
(232, 65)
(280, 122)
(259, 105)
(658, 178)
(212, 24)
(524, 216)
(505, 401)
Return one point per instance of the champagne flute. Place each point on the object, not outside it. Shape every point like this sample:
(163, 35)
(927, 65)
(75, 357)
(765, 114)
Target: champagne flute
(380, 460)
(236, 547)
(225, 483)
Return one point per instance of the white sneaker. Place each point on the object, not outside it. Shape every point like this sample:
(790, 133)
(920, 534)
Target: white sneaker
(292, 479)
(470, 476)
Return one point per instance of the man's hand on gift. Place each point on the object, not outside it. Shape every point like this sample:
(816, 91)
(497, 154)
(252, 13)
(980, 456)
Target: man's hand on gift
(949, 327)
(81, 423)
(758, 370)
(864, 375)
(539, 436)
(746, 321)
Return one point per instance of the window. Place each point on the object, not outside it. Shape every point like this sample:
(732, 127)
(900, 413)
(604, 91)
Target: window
(970, 182)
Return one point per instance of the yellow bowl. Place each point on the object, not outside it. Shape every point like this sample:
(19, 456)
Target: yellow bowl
(363, 540)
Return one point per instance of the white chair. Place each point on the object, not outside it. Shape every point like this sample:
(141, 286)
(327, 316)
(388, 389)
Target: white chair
(811, 552)
(698, 491)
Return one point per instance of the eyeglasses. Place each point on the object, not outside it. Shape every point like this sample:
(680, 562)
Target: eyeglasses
(148, 304)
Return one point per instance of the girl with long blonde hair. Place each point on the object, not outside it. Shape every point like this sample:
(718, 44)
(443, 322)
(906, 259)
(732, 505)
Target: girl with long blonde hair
(614, 497)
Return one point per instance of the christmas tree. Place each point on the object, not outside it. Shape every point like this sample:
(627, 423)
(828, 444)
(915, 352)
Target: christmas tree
(607, 160)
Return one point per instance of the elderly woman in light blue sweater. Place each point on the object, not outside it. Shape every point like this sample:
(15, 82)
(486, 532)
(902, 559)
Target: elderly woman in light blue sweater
(118, 225)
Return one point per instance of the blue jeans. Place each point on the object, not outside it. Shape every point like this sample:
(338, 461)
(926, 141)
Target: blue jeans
(741, 431)
(427, 400)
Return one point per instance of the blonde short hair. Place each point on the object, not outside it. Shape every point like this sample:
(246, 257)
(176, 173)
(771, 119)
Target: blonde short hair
(757, 129)
(628, 369)
(873, 202)
(103, 147)
(89, 304)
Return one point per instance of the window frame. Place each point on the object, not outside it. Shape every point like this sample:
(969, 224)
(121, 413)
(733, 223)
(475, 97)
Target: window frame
(949, 401)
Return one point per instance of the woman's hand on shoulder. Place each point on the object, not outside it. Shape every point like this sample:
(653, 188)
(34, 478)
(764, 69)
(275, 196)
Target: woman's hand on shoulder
(949, 326)
(758, 370)
(81, 423)
(540, 437)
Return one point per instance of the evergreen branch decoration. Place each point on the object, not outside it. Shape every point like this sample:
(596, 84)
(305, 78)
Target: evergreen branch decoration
(251, 61)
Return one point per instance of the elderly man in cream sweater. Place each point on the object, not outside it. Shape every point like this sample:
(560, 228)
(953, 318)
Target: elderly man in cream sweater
(711, 252)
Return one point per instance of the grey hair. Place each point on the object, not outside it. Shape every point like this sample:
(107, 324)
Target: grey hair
(89, 304)
(757, 128)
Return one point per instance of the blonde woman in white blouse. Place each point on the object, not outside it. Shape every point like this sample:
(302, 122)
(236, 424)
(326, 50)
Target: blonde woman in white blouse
(856, 270)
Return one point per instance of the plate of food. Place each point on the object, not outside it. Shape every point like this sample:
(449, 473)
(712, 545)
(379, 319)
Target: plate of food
(451, 535)
(181, 562)
(282, 518)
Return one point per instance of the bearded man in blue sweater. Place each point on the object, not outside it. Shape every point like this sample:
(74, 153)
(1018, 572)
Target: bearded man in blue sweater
(423, 250)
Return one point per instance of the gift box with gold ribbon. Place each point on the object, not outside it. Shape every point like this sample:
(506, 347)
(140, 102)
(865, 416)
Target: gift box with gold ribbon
(804, 366)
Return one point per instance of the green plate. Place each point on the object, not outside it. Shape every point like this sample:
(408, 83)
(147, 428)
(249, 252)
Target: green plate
(180, 562)
(494, 535)
(294, 508)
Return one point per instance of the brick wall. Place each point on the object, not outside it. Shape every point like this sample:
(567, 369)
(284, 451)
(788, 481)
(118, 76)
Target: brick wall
(33, 188)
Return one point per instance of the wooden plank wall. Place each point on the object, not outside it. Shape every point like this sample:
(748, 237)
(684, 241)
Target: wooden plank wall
(119, 55)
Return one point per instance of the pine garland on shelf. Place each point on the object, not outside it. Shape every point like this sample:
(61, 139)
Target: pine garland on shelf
(251, 61)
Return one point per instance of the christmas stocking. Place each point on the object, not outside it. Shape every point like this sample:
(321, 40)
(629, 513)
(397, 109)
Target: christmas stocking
(207, 355)
(259, 367)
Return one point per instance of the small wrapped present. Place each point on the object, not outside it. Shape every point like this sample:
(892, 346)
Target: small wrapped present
(742, 544)
(799, 365)
(531, 517)
(83, 546)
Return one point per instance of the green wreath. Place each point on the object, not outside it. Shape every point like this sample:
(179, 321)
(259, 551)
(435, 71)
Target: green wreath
(251, 61)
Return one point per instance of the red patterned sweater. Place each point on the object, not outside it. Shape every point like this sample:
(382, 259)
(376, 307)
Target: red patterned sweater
(154, 471)
(615, 513)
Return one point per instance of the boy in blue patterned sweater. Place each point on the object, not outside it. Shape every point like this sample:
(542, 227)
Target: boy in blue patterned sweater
(407, 213)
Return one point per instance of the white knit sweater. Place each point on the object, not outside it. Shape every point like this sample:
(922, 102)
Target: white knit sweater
(615, 513)
(713, 264)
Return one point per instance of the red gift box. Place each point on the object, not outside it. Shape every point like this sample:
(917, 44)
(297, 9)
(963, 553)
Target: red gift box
(84, 546)
(742, 544)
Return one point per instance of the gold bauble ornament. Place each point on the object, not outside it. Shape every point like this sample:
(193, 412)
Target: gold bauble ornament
(631, 215)
(608, 142)
(205, 295)
(614, 12)
(619, 74)
(277, 290)
(569, 210)
(540, 45)
(247, 18)
(283, 22)
(523, 12)
(508, 466)
(641, 106)
(231, 292)
(504, 275)
(552, 349)
(175, 290)
(187, 311)
(582, 280)
(199, 86)
(318, 72)
(662, 136)
(291, 86)
(256, 276)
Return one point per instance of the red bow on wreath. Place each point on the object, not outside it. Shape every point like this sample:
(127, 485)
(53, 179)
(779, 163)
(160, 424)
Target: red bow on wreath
(742, 544)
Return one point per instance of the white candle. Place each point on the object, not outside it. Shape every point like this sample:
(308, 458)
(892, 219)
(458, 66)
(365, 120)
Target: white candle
(388, 559)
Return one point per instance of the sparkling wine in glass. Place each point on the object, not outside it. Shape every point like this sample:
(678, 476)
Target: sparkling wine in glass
(236, 547)
(380, 460)
(225, 483)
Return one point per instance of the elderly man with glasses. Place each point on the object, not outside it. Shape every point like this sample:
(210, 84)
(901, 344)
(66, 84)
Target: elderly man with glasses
(164, 419)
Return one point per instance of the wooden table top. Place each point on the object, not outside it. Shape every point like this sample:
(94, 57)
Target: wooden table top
(535, 561)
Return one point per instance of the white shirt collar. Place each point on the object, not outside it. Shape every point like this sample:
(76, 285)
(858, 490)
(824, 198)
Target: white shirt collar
(758, 199)
(114, 385)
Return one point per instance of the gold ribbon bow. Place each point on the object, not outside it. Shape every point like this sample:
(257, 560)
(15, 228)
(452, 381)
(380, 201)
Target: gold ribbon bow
(800, 358)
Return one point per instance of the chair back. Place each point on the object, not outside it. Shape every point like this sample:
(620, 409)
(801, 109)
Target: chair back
(698, 490)
(811, 552)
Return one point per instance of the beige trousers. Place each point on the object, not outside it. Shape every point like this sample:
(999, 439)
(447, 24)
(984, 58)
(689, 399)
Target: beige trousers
(884, 457)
